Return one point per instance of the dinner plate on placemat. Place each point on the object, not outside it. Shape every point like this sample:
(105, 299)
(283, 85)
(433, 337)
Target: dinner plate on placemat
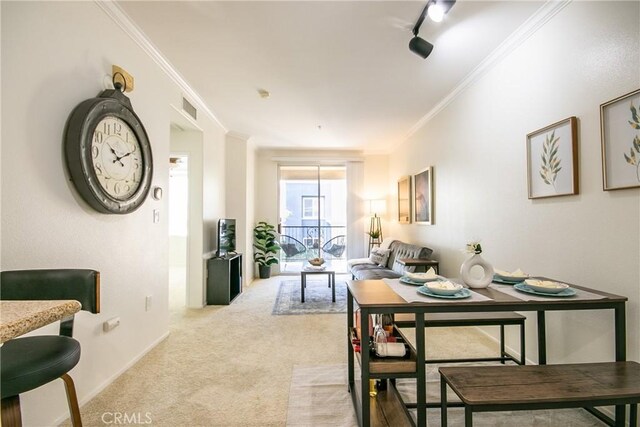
(506, 282)
(522, 287)
(408, 281)
(462, 293)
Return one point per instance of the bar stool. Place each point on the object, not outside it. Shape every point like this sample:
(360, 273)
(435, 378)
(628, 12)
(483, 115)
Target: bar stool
(30, 362)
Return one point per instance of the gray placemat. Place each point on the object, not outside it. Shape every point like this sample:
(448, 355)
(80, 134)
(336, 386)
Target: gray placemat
(410, 293)
(510, 290)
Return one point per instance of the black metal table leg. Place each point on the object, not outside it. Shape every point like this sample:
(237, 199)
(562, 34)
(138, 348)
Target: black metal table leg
(542, 339)
(303, 284)
(502, 352)
(621, 352)
(443, 402)
(523, 354)
(332, 284)
(421, 372)
(468, 416)
(364, 368)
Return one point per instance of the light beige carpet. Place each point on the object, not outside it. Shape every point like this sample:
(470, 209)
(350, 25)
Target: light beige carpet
(319, 398)
(239, 365)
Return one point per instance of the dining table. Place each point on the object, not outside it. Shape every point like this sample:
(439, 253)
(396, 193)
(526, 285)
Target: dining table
(19, 317)
(392, 296)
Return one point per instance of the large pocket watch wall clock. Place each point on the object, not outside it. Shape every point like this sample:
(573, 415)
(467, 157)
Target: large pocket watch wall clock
(108, 153)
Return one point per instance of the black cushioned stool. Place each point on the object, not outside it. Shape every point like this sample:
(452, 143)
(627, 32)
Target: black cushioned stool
(30, 362)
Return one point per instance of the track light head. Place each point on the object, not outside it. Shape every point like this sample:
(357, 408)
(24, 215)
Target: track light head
(420, 47)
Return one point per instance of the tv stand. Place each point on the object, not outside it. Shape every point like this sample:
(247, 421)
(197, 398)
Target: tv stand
(224, 279)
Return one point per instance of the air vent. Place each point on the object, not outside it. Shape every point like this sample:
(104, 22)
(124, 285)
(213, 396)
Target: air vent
(189, 109)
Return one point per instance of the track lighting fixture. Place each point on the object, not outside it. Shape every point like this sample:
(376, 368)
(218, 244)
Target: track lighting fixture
(435, 9)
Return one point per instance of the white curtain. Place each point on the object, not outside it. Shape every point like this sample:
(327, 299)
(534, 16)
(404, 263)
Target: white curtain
(355, 210)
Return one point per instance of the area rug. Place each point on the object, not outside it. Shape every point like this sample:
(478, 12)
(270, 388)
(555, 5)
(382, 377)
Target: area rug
(317, 297)
(318, 397)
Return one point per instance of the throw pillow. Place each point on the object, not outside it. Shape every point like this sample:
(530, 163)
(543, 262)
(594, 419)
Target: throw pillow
(379, 256)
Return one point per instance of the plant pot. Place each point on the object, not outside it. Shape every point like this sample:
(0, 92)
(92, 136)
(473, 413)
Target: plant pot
(265, 271)
(465, 272)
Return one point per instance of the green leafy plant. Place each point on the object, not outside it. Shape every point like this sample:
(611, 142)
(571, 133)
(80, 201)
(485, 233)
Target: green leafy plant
(632, 158)
(374, 234)
(550, 160)
(473, 248)
(265, 245)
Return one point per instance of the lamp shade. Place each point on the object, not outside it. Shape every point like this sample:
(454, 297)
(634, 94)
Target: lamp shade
(420, 47)
(377, 206)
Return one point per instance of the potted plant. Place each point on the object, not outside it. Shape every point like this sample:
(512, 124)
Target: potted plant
(265, 248)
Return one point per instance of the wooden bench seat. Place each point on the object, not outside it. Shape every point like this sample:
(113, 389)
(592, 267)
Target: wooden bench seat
(514, 387)
(436, 320)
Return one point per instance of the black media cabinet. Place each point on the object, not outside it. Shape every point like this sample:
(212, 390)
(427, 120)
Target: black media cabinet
(224, 279)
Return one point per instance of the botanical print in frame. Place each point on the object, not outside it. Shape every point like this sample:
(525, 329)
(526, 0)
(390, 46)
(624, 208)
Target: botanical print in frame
(552, 160)
(404, 200)
(620, 136)
(423, 196)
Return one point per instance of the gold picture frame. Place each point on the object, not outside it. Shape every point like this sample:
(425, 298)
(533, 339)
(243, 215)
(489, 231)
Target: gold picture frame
(552, 160)
(423, 197)
(620, 140)
(404, 200)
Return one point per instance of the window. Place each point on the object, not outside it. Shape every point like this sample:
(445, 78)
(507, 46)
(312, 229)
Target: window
(310, 207)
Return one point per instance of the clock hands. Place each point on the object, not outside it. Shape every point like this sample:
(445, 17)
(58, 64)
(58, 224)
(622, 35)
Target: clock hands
(118, 158)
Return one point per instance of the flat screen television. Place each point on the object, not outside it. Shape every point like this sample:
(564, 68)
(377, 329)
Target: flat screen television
(226, 236)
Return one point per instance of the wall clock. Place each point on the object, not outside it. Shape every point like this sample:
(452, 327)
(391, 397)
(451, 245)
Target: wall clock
(108, 153)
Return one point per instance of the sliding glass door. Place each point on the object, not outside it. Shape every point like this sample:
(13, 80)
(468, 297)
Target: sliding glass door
(313, 216)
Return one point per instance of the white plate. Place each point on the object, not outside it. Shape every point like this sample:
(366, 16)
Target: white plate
(546, 286)
(434, 287)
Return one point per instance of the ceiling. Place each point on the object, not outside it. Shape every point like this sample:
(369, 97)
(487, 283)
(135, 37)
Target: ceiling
(340, 73)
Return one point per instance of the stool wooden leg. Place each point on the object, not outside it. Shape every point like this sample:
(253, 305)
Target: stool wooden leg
(72, 398)
(10, 412)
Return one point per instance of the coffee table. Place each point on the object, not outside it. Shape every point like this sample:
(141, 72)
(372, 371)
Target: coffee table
(331, 277)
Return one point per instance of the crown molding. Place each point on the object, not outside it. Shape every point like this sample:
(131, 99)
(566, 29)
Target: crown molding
(511, 43)
(115, 12)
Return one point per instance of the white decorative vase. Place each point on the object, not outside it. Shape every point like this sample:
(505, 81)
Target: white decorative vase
(465, 272)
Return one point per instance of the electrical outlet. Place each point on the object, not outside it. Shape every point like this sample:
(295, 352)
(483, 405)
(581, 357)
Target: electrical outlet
(156, 216)
(147, 303)
(111, 324)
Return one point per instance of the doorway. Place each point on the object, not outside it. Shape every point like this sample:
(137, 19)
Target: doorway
(186, 143)
(178, 230)
(313, 216)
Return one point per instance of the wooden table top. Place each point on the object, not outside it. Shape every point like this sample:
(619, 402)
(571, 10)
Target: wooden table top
(19, 317)
(376, 293)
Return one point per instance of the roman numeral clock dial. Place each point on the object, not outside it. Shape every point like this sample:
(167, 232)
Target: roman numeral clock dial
(108, 153)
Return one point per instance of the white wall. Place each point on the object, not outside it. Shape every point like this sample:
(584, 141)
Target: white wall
(239, 201)
(586, 55)
(55, 55)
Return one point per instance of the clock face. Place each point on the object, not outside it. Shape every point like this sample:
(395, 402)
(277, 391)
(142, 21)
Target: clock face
(116, 157)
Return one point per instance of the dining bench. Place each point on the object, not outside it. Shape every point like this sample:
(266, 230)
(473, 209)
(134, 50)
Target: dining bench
(518, 387)
(502, 319)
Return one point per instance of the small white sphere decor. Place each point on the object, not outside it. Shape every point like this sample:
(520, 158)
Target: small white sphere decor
(476, 259)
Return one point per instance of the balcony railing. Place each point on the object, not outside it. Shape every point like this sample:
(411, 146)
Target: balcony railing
(313, 238)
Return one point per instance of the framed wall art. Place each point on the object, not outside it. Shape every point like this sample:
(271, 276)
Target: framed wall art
(423, 196)
(404, 200)
(552, 160)
(620, 137)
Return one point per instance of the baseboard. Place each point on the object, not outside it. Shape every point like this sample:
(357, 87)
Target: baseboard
(112, 378)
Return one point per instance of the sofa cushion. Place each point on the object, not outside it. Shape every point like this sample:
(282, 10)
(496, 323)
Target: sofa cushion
(379, 256)
(372, 272)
